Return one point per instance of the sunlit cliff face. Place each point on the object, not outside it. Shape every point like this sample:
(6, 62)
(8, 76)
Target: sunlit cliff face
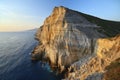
(69, 42)
(64, 34)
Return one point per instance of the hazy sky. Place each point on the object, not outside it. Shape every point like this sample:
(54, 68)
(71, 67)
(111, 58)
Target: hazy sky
(17, 15)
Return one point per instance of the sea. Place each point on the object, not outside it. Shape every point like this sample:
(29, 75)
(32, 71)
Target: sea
(15, 58)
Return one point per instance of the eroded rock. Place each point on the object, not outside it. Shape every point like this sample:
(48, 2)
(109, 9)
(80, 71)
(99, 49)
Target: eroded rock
(69, 42)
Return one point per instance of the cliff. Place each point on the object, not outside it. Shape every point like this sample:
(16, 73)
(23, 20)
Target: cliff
(75, 46)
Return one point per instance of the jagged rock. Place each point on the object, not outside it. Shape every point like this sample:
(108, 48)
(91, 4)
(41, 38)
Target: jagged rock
(69, 42)
(107, 51)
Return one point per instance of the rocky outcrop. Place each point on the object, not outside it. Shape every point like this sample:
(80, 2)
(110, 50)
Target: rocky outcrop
(107, 50)
(72, 44)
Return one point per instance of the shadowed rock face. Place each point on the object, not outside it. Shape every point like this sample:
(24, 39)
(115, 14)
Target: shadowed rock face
(68, 41)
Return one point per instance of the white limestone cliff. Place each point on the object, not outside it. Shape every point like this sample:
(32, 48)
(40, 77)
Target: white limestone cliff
(72, 44)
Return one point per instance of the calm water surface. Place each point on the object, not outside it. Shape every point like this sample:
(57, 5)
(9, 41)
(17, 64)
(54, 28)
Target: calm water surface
(15, 59)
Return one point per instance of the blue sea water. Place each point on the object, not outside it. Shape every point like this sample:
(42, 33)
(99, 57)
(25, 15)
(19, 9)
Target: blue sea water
(15, 58)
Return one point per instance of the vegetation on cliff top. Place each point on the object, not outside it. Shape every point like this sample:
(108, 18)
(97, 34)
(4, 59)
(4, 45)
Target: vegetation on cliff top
(110, 28)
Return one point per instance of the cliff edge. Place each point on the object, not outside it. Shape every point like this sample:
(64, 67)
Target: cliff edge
(74, 45)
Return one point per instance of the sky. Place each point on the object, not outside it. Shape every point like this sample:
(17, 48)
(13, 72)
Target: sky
(19, 15)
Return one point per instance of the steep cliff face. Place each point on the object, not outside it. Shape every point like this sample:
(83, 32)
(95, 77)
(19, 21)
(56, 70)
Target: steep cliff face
(69, 42)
